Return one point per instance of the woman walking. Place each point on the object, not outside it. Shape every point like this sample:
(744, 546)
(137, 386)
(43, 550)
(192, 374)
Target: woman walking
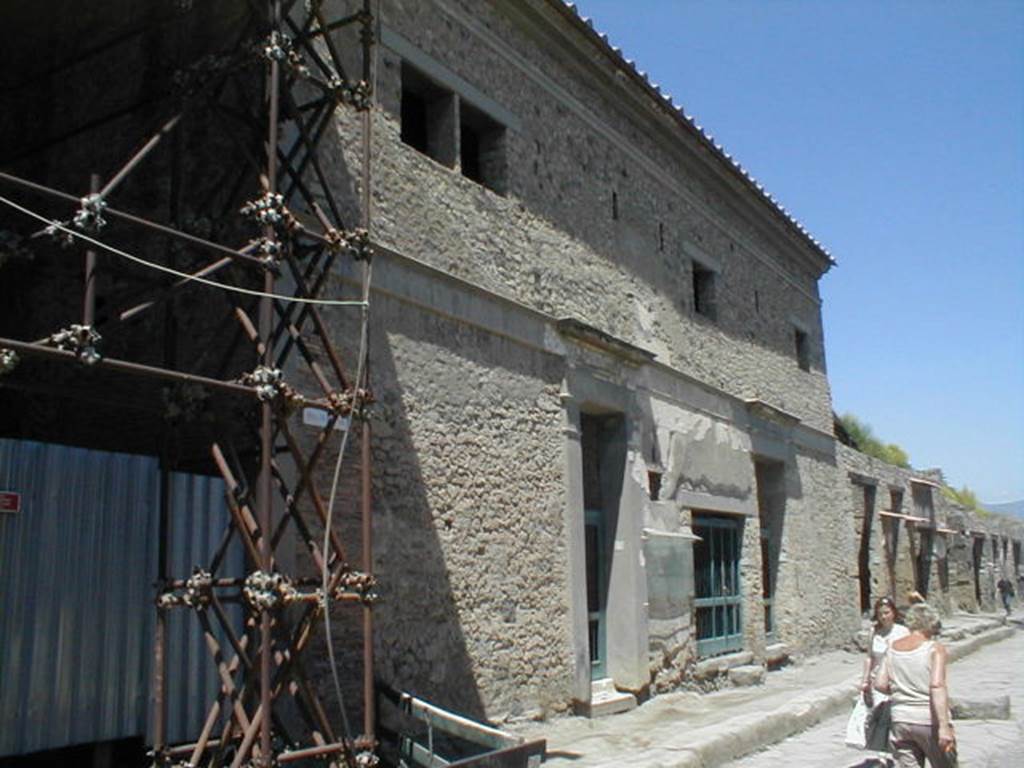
(914, 674)
(886, 630)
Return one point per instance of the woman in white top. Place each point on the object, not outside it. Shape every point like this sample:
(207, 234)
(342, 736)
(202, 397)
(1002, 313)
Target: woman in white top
(914, 673)
(887, 629)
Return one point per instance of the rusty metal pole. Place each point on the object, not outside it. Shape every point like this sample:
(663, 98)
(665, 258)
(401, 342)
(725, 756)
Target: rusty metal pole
(369, 698)
(89, 303)
(159, 683)
(160, 635)
(369, 704)
(265, 480)
(369, 76)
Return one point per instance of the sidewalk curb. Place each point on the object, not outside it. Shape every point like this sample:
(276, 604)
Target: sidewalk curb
(750, 733)
(966, 647)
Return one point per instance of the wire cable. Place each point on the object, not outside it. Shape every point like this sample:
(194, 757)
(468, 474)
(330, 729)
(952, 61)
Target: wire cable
(361, 368)
(177, 273)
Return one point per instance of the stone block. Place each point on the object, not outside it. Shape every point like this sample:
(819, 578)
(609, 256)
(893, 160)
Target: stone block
(720, 665)
(606, 699)
(776, 655)
(747, 675)
(996, 708)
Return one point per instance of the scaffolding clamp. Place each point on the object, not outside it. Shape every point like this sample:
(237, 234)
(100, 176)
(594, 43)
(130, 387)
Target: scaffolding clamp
(359, 244)
(263, 591)
(358, 95)
(198, 592)
(83, 340)
(8, 360)
(269, 591)
(266, 381)
(54, 230)
(278, 46)
(359, 583)
(365, 747)
(270, 250)
(269, 210)
(89, 217)
(270, 385)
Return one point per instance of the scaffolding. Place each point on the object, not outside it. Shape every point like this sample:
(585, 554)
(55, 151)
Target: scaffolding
(267, 711)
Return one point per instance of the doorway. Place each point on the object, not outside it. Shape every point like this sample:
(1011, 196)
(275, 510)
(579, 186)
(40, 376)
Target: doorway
(603, 444)
(771, 506)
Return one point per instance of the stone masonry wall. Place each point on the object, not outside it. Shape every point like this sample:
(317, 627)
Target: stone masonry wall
(470, 543)
(815, 598)
(552, 242)
(955, 579)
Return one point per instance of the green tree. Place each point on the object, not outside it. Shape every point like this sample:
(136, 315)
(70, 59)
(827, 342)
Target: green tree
(865, 440)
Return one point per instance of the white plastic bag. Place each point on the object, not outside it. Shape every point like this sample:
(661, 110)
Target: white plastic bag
(856, 726)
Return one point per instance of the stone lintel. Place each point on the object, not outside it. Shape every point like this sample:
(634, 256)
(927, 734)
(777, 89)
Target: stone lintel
(631, 354)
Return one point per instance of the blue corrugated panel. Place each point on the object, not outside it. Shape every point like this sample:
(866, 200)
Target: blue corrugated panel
(77, 567)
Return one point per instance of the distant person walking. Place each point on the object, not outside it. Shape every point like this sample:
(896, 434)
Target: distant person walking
(914, 674)
(1005, 588)
(886, 630)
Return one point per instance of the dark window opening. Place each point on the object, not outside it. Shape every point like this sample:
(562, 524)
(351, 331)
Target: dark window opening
(757, 301)
(803, 349)
(654, 484)
(892, 537)
(615, 206)
(428, 120)
(661, 236)
(771, 504)
(864, 551)
(704, 291)
(482, 149)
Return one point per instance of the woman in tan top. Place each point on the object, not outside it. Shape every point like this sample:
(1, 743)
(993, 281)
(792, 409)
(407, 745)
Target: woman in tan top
(914, 674)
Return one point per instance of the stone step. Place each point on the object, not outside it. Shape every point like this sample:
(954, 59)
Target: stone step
(719, 665)
(776, 655)
(606, 699)
(747, 675)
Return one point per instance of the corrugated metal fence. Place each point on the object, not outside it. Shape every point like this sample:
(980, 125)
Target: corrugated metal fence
(77, 568)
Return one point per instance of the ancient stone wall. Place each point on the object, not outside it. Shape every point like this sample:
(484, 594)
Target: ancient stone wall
(963, 552)
(556, 239)
(468, 496)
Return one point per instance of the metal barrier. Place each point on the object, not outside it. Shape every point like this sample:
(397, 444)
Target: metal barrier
(502, 749)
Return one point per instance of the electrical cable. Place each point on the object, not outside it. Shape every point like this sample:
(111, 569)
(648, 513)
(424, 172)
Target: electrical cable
(362, 367)
(177, 273)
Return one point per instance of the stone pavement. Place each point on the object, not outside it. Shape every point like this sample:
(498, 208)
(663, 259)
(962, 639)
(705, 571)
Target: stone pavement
(688, 730)
(995, 671)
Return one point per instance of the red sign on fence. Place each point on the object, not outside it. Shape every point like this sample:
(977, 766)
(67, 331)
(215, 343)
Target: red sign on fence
(10, 501)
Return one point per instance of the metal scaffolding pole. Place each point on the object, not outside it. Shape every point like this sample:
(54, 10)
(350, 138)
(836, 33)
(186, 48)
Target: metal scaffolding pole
(259, 664)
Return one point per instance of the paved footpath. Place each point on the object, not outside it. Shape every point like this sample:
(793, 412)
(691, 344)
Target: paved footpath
(686, 730)
(995, 670)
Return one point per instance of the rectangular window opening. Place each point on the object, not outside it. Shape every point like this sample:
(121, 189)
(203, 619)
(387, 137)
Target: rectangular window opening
(482, 149)
(615, 206)
(704, 291)
(803, 349)
(654, 484)
(661, 236)
(428, 120)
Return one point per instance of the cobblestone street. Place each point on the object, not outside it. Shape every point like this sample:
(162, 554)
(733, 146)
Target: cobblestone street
(995, 670)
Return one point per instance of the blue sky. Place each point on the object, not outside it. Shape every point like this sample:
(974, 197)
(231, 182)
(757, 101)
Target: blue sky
(894, 131)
